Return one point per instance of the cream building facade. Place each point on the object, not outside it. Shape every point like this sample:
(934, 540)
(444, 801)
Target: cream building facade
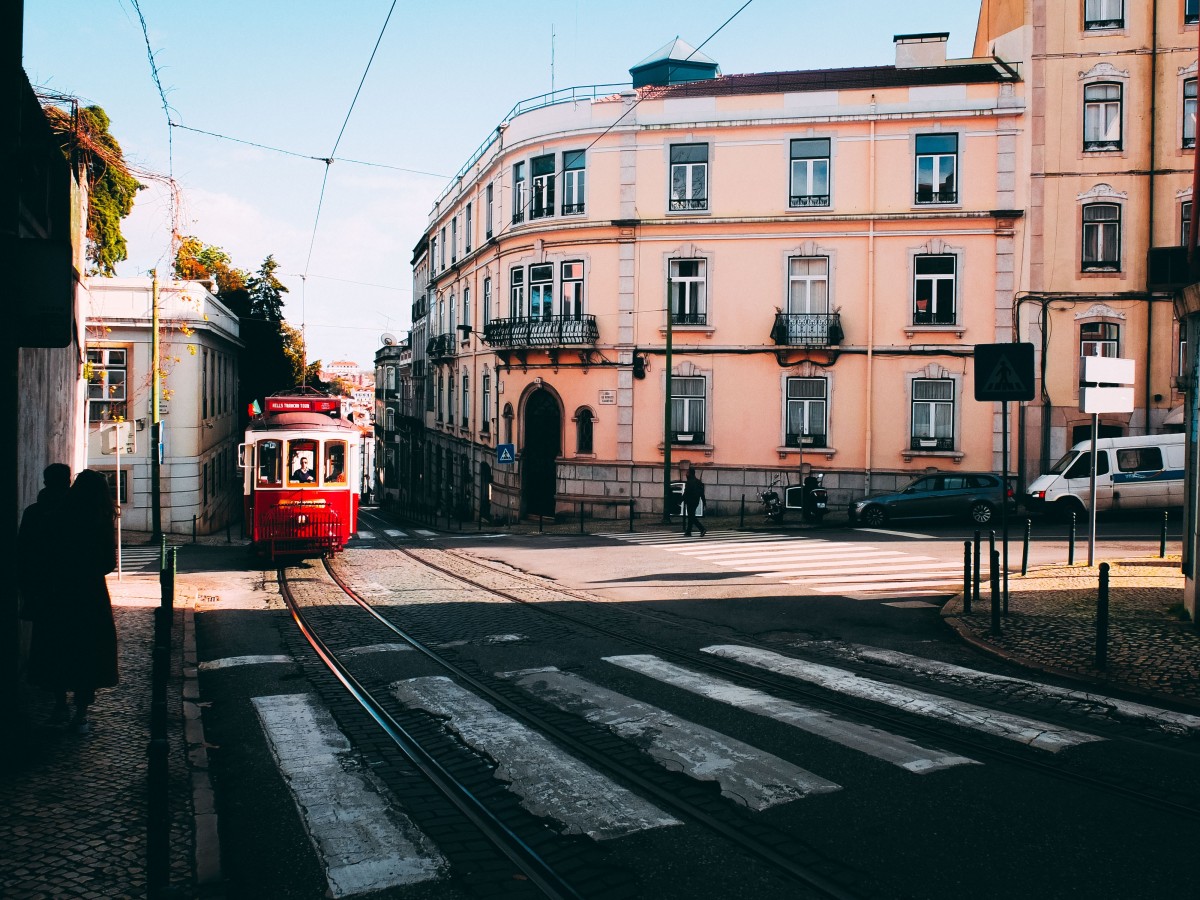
(200, 346)
(805, 260)
(1111, 144)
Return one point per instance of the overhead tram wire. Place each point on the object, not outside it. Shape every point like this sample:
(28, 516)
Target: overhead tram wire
(508, 225)
(325, 181)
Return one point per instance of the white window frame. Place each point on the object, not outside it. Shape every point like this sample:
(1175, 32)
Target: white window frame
(541, 291)
(466, 317)
(103, 361)
(516, 292)
(1101, 15)
(689, 409)
(468, 225)
(1189, 112)
(687, 295)
(806, 401)
(490, 209)
(1105, 342)
(934, 281)
(541, 201)
(688, 183)
(570, 291)
(487, 300)
(1103, 116)
(806, 173)
(940, 163)
(574, 182)
(485, 403)
(518, 191)
(466, 400)
(928, 436)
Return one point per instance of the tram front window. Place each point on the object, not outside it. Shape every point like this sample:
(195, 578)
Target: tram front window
(302, 456)
(270, 472)
(335, 462)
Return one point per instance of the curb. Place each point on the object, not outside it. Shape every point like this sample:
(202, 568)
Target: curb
(207, 851)
(952, 618)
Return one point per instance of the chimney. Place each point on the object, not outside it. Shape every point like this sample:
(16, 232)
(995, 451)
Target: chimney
(921, 51)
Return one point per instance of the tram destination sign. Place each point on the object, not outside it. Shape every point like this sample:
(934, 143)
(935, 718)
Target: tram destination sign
(1004, 372)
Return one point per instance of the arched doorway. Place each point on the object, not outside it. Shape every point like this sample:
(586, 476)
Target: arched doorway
(540, 449)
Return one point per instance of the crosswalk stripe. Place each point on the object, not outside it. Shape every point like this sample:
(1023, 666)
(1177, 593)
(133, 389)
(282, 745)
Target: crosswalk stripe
(365, 843)
(861, 585)
(424, 533)
(549, 782)
(365, 535)
(231, 662)
(746, 774)
(821, 568)
(393, 532)
(823, 556)
(890, 748)
(1010, 726)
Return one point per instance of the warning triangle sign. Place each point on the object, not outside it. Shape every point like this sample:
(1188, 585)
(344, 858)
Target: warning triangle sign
(1004, 378)
(505, 453)
(1004, 371)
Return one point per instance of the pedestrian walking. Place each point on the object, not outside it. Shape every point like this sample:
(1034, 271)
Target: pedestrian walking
(693, 496)
(75, 637)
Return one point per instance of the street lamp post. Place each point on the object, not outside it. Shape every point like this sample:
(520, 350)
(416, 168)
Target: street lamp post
(155, 416)
(666, 516)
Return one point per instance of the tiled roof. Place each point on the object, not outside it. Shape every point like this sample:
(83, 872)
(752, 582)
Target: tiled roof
(832, 80)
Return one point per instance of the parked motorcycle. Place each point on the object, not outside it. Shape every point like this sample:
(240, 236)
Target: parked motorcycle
(810, 498)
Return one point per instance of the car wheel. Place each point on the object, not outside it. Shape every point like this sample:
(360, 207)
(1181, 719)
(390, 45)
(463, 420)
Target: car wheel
(981, 512)
(1067, 505)
(874, 516)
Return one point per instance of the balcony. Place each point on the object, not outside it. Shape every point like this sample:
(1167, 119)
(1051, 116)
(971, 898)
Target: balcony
(923, 442)
(807, 329)
(805, 201)
(927, 195)
(441, 348)
(1168, 269)
(548, 332)
(804, 440)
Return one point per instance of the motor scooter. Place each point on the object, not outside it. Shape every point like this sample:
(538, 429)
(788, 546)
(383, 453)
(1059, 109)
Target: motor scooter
(810, 498)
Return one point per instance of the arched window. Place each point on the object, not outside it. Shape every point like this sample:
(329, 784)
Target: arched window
(1099, 339)
(583, 430)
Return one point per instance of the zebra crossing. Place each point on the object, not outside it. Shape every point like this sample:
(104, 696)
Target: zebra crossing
(142, 558)
(315, 760)
(845, 568)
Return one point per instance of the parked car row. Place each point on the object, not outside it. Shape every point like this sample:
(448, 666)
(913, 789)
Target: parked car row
(1145, 472)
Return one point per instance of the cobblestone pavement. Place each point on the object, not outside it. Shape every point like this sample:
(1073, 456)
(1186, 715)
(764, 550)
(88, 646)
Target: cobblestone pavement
(1051, 625)
(73, 815)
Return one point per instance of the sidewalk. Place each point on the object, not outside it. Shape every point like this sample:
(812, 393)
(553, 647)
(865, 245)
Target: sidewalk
(1153, 650)
(73, 811)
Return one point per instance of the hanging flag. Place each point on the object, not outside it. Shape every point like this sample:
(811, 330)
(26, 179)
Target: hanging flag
(254, 409)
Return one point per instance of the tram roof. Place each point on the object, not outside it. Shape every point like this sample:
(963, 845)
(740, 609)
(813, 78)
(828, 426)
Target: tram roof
(299, 421)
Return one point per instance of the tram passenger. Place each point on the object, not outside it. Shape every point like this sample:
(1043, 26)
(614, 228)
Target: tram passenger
(302, 473)
(335, 464)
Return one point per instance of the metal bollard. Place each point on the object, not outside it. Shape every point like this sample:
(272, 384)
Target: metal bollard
(1025, 547)
(581, 518)
(193, 529)
(539, 523)
(975, 580)
(966, 578)
(166, 579)
(742, 514)
(1102, 619)
(996, 592)
(1071, 542)
(1162, 541)
(631, 514)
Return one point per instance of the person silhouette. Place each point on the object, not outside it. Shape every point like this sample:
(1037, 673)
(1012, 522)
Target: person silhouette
(693, 496)
(40, 579)
(80, 650)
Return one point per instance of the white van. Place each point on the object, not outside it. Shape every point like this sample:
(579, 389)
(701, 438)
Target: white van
(1131, 473)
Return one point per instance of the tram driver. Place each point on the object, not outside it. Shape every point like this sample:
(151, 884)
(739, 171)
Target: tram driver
(302, 473)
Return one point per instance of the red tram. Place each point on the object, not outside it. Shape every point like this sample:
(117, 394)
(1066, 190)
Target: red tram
(302, 476)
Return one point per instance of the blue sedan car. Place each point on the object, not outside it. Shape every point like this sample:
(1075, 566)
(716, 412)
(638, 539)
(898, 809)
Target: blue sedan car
(970, 495)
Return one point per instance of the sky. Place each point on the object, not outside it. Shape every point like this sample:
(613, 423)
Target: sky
(284, 74)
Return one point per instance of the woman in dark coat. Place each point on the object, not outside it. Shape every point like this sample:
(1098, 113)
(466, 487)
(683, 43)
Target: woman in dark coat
(80, 650)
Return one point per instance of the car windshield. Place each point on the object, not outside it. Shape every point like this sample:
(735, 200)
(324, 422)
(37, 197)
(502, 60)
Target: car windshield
(1062, 465)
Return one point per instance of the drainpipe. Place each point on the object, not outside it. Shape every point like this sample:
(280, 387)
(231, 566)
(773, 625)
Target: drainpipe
(155, 415)
(870, 308)
(1149, 391)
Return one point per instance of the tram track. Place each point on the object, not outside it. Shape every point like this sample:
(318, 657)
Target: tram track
(761, 843)
(1055, 768)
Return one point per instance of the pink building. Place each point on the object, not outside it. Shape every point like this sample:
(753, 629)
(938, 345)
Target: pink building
(804, 260)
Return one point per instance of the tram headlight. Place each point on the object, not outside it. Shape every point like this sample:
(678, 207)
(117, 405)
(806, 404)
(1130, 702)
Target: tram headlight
(302, 519)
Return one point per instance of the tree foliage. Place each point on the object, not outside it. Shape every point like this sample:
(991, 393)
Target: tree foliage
(266, 292)
(196, 260)
(293, 349)
(110, 184)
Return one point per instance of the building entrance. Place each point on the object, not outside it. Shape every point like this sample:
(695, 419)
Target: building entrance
(541, 447)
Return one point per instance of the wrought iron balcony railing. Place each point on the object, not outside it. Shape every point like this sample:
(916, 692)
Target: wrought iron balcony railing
(799, 201)
(807, 329)
(441, 347)
(687, 437)
(935, 317)
(689, 318)
(942, 195)
(932, 443)
(804, 440)
(679, 204)
(550, 331)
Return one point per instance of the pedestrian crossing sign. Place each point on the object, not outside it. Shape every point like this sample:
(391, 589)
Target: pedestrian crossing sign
(1004, 371)
(505, 453)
